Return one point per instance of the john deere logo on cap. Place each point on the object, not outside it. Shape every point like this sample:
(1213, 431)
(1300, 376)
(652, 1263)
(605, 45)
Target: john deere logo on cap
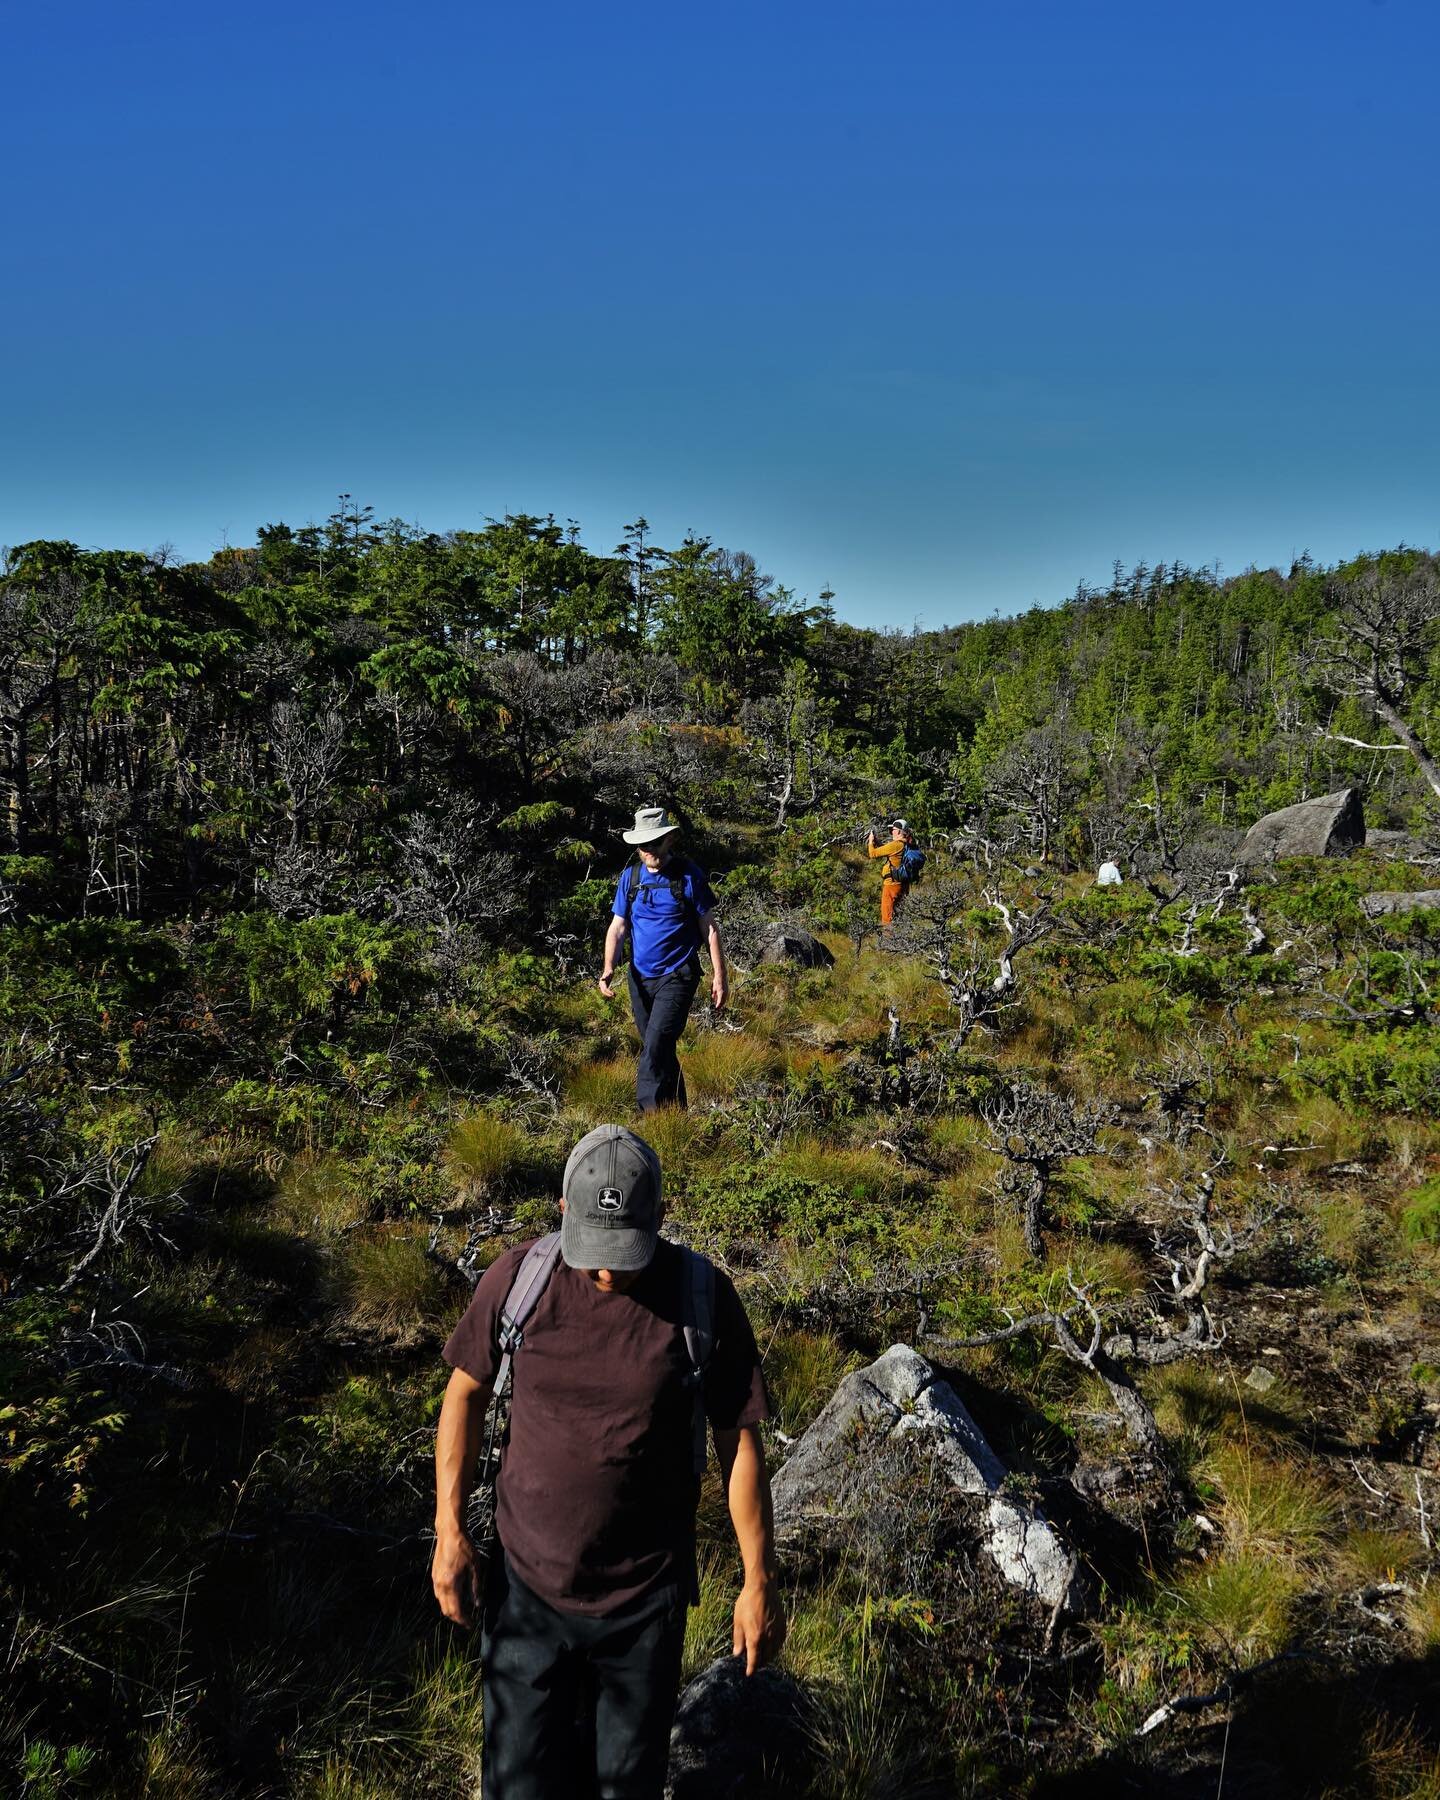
(610, 1200)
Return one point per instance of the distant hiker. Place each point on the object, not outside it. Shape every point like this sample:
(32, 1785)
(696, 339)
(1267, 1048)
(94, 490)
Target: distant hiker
(623, 1346)
(1109, 875)
(903, 863)
(665, 905)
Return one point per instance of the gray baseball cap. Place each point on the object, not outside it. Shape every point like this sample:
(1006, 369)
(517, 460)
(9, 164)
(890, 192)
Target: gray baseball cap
(612, 1201)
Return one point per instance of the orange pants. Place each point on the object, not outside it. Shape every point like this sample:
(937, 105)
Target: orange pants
(891, 894)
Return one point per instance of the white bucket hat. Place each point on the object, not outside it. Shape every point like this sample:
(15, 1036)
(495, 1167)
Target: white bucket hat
(651, 822)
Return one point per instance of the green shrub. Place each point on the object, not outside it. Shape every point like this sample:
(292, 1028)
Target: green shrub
(765, 1201)
(1420, 1220)
(1385, 1071)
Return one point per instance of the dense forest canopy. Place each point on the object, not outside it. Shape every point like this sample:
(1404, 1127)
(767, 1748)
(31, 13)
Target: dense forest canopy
(314, 716)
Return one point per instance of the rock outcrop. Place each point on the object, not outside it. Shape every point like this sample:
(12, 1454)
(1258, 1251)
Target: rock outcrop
(795, 946)
(737, 1737)
(831, 1481)
(1330, 825)
(1379, 906)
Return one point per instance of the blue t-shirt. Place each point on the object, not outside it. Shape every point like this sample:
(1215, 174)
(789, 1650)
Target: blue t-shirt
(664, 931)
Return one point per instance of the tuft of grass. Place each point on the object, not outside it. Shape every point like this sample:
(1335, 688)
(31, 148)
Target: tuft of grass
(1273, 1508)
(1342, 1228)
(802, 1371)
(717, 1064)
(318, 1197)
(393, 1291)
(708, 1625)
(1241, 1601)
(603, 1090)
(672, 1134)
(1422, 1619)
(483, 1150)
(1373, 1556)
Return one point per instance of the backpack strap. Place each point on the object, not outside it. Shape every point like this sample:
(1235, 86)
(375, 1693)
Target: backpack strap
(536, 1267)
(675, 882)
(698, 1316)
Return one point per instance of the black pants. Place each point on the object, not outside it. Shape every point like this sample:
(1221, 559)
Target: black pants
(577, 1708)
(661, 1008)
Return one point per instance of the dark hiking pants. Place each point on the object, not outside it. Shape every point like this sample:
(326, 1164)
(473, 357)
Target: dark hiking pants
(577, 1708)
(661, 1008)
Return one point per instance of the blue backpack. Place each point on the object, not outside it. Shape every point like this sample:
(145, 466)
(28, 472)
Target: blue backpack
(911, 865)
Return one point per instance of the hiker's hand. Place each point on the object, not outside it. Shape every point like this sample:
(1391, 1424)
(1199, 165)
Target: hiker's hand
(870, 839)
(455, 1576)
(759, 1623)
(604, 986)
(719, 990)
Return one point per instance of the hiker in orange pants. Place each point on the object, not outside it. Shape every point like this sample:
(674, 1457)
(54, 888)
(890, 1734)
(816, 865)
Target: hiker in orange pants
(892, 889)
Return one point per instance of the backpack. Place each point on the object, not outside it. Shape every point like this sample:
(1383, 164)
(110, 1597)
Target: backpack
(911, 865)
(697, 1312)
(675, 883)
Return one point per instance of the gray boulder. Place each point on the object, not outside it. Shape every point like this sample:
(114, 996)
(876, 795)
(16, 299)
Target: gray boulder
(792, 945)
(834, 1472)
(737, 1737)
(1379, 906)
(1331, 825)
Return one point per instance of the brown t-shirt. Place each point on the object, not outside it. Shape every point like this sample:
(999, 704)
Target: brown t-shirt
(595, 1503)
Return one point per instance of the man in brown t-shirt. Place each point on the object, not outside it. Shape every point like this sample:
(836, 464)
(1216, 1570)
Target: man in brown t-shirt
(584, 1608)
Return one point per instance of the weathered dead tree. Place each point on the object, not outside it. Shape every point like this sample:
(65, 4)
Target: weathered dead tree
(1182, 1089)
(103, 1191)
(1037, 1130)
(1173, 1320)
(933, 928)
(1394, 997)
(1386, 630)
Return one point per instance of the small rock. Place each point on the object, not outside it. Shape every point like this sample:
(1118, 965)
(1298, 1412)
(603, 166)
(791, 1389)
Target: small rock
(737, 1737)
(1379, 906)
(1260, 1378)
(797, 947)
(1269, 1350)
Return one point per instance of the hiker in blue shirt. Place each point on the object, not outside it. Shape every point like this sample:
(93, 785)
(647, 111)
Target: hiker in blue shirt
(665, 905)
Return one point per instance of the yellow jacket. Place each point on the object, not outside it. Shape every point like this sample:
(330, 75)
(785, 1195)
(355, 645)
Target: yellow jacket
(892, 852)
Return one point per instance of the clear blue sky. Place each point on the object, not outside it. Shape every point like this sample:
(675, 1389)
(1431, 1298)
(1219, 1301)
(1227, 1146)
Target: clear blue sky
(945, 304)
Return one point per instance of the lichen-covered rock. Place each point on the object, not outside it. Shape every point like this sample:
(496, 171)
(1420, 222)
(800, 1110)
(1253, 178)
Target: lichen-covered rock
(738, 1736)
(1379, 906)
(1330, 825)
(795, 946)
(899, 1400)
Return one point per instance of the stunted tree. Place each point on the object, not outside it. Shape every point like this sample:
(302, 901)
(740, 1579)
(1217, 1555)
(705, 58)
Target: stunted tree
(1173, 1319)
(939, 925)
(1037, 783)
(1038, 1131)
(1387, 629)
